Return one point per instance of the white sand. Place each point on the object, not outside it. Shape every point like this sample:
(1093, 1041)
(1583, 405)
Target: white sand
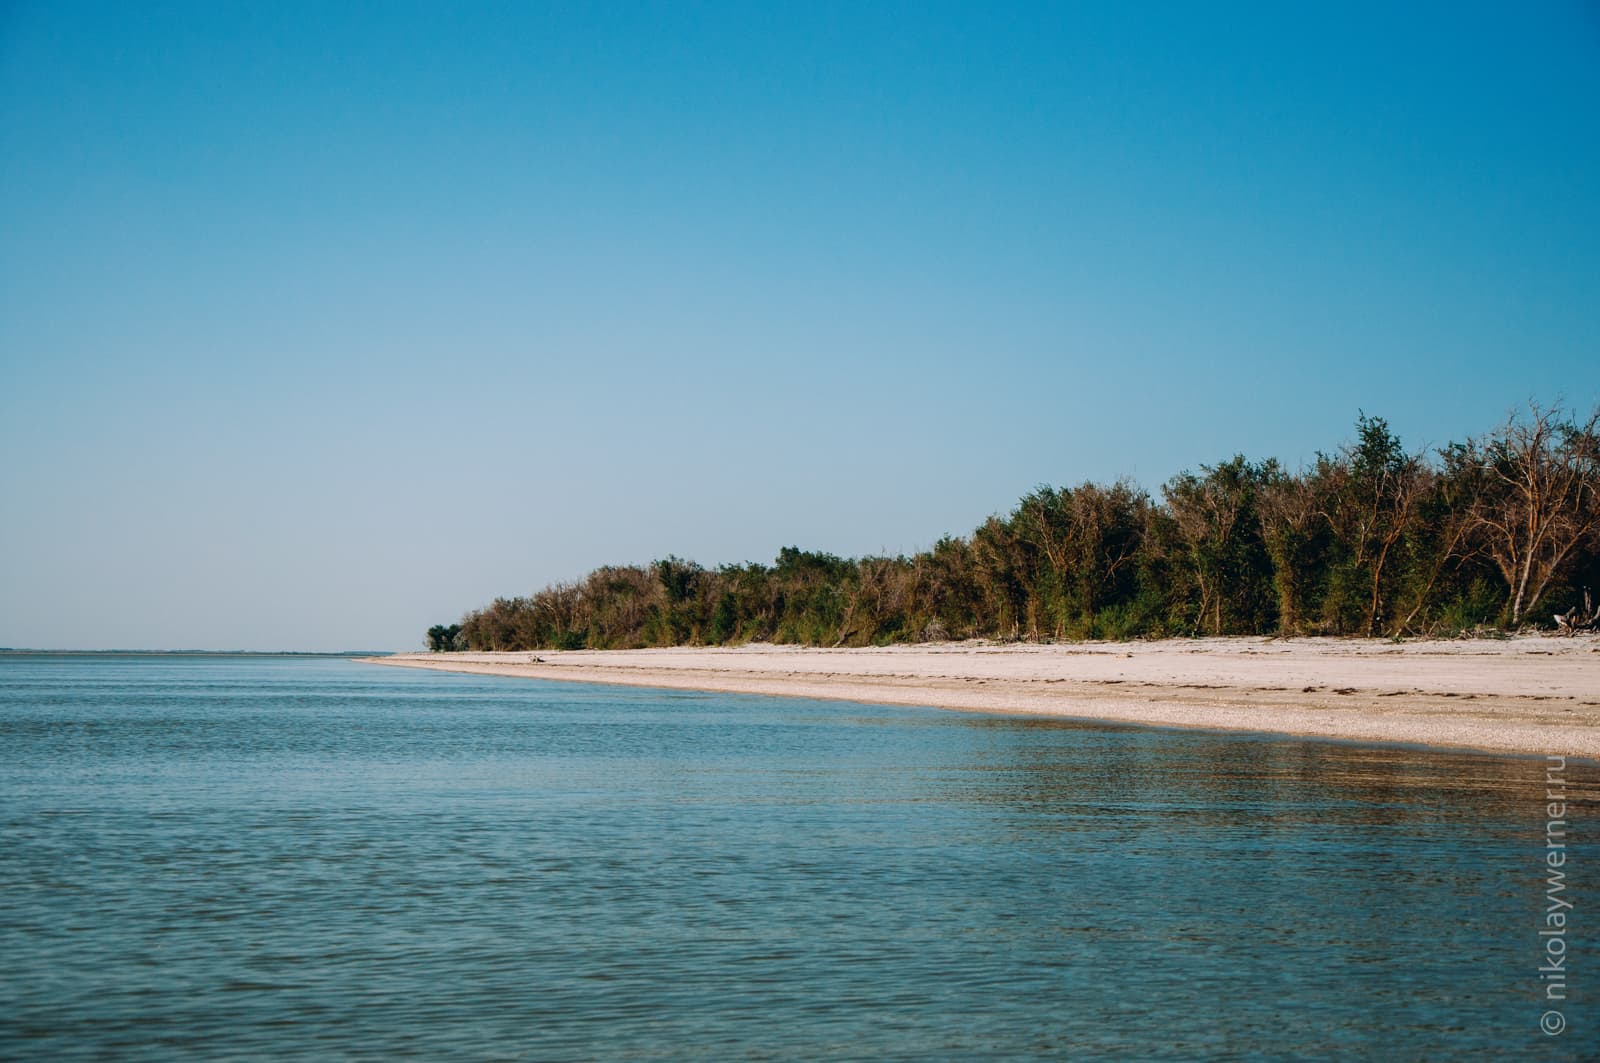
(1532, 695)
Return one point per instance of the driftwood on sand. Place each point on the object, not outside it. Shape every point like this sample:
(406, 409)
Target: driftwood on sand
(1575, 620)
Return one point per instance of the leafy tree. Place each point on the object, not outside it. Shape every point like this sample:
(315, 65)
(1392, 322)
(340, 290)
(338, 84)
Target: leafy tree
(1217, 516)
(1294, 532)
(1370, 494)
(445, 637)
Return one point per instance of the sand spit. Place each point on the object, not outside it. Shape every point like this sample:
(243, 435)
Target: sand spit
(1530, 695)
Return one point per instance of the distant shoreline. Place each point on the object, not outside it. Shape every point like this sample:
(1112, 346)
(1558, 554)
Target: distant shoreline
(8, 651)
(1529, 695)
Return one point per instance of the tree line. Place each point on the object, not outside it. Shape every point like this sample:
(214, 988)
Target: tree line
(1370, 540)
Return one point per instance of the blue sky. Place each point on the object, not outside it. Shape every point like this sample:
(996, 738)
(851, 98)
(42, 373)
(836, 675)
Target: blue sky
(320, 323)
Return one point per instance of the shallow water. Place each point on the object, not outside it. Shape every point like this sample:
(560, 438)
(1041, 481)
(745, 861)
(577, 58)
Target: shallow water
(248, 858)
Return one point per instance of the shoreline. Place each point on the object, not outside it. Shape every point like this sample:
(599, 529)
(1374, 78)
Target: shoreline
(1529, 695)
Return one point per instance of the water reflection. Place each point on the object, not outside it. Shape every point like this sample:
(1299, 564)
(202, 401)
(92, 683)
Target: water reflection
(1066, 762)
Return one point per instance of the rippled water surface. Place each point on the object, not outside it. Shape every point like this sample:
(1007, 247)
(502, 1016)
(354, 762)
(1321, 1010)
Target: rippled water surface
(249, 858)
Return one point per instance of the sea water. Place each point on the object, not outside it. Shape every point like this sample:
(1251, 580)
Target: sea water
(259, 858)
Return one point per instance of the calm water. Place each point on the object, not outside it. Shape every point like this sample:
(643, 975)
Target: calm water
(238, 858)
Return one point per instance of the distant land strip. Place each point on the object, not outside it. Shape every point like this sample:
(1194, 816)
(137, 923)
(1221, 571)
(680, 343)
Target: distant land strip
(21, 652)
(1498, 533)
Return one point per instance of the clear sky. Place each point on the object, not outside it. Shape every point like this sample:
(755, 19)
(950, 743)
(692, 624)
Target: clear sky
(324, 322)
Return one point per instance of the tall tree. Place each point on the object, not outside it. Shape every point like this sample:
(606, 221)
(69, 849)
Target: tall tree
(1370, 494)
(1439, 545)
(1538, 496)
(1001, 564)
(1294, 531)
(1216, 515)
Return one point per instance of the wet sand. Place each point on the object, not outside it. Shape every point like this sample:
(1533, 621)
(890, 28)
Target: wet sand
(1529, 695)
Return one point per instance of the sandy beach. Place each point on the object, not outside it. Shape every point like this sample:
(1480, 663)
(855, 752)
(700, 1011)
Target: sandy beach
(1529, 695)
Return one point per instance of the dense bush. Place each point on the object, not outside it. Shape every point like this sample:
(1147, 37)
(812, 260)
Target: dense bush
(1371, 540)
